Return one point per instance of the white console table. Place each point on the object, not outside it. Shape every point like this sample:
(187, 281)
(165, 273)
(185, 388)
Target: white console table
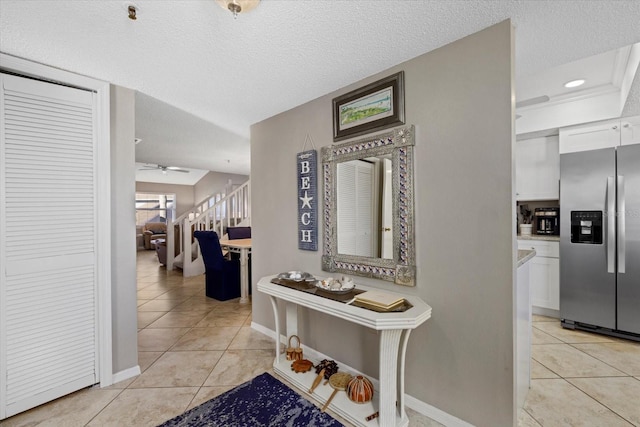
(394, 335)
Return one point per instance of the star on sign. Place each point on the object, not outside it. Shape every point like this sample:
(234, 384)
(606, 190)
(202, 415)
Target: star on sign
(306, 200)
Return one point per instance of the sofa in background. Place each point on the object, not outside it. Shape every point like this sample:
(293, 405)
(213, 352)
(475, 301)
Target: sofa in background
(152, 231)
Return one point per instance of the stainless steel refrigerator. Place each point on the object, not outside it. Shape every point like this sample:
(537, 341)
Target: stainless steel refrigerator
(600, 241)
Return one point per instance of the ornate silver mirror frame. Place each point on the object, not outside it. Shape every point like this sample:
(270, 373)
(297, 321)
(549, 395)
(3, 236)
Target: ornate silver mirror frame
(401, 269)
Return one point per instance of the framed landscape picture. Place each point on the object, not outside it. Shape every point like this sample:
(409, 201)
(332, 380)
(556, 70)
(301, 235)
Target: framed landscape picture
(376, 106)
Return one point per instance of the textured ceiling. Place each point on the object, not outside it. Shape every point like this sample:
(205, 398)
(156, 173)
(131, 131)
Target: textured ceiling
(194, 56)
(163, 128)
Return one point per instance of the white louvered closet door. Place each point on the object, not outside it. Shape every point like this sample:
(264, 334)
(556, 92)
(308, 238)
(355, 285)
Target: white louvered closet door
(48, 289)
(355, 208)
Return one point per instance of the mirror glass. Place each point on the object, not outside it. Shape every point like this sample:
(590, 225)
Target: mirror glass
(368, 207)
(364, 207)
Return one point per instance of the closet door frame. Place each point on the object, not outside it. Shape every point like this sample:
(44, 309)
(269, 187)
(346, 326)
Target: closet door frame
(103, 200)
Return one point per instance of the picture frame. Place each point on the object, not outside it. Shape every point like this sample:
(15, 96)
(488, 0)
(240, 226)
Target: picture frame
(378, 105)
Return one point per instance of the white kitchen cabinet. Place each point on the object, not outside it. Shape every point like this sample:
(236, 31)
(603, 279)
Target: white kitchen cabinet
(630, 131)
(544, 273)
(605, 134)
(545, 280)
(591, 136)
(523, 334)
(538, 169)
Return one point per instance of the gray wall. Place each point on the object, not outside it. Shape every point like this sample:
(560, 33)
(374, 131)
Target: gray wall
(215, 182)
(123, 225)
(459, 97)
(184, 193)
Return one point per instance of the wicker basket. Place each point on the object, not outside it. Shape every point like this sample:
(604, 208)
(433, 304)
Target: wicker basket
(294, 353)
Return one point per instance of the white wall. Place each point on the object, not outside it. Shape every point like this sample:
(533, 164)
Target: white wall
(123, 225)
(215, 182)
(460, 98)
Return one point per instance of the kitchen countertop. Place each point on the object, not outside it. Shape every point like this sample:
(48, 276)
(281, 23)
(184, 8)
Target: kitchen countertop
(525, 255)
(544, 237)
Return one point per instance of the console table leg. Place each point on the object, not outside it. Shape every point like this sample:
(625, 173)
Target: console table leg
(389, 346)
(274, 305)
(244, 276)
(404, 340)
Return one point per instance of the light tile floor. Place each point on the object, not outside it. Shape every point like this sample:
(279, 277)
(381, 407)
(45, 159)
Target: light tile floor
(581, 379)
(193, 348)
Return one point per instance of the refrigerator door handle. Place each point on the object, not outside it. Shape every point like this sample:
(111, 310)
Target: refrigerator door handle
(611, 225)
(621, 225)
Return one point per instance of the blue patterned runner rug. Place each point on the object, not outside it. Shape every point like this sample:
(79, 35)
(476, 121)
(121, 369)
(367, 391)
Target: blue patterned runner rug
(261, 402)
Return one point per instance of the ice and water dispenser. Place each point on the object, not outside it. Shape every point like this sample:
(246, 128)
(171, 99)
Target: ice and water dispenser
(586, 227)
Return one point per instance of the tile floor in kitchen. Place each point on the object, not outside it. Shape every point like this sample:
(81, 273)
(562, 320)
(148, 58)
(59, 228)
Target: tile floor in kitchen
(192, 348)
(581, 379)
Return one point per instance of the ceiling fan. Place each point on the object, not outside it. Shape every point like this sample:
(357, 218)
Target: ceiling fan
(164, 169)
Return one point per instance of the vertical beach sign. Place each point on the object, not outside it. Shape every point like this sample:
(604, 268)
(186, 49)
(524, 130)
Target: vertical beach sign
(307, 165)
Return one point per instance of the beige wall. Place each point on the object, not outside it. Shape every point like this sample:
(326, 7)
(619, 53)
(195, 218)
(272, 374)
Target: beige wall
(215, 182)
(459, 97)
(185, 197)
(123, 225)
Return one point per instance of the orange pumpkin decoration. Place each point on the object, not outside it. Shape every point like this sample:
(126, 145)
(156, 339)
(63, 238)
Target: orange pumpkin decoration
(360, 389)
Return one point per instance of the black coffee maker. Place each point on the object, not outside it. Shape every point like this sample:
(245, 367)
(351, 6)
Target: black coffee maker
(547, 221)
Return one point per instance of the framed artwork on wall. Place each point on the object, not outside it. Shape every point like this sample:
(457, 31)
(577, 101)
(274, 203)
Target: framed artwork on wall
(376, 106)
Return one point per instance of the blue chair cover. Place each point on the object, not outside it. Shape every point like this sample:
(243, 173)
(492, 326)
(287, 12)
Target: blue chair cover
(222, 275)
(236, 233)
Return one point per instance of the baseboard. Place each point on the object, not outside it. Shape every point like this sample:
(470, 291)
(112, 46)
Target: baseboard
(434, 413)
(268, 332)
(126, 374)
(545, 312)
(411, 402)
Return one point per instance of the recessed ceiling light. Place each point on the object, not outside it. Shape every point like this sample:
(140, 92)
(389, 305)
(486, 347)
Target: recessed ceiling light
(574, 83)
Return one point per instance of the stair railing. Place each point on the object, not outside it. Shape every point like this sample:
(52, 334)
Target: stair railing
(174, 229)
(232, 210)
